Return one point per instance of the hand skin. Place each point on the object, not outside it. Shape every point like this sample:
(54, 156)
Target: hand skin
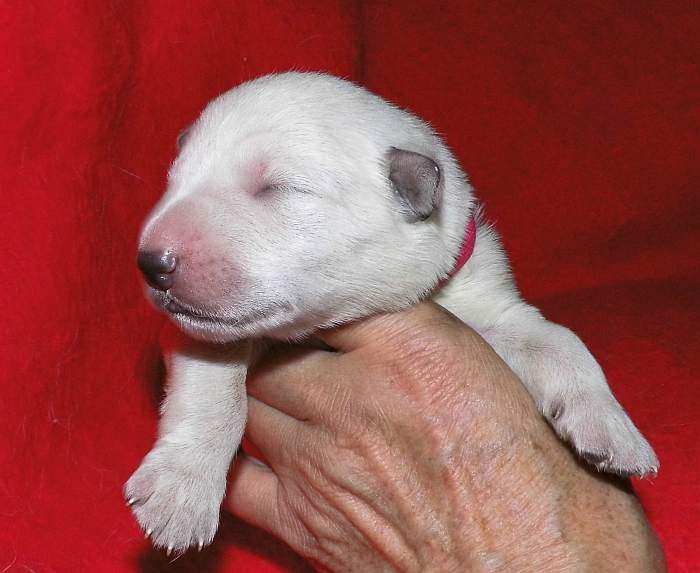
(415, 448)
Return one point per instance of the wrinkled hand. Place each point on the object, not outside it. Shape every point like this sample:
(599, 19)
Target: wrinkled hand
(415, 448)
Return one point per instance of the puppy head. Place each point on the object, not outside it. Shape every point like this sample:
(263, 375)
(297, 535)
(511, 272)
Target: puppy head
(299, 201)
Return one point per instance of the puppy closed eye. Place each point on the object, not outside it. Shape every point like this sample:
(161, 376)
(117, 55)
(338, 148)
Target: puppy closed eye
(272, 189)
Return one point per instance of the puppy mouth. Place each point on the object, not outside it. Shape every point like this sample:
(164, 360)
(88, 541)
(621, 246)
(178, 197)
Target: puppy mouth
(174, 306)
(194, 317)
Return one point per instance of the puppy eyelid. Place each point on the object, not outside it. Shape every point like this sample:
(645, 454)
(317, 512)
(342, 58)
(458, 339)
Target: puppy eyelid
(284, 188)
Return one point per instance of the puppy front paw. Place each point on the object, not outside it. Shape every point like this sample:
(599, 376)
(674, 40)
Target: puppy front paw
(176, 496)
(602, 433)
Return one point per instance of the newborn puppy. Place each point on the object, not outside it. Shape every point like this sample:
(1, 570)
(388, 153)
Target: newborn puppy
(300, 201)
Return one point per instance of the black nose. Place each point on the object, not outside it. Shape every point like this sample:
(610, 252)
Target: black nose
(157, 267)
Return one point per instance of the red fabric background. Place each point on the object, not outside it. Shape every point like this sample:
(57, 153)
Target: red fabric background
(578, 124)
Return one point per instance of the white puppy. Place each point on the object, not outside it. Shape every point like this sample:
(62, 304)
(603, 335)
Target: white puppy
(301, 201)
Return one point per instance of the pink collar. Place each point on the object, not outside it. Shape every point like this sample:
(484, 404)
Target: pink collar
(467, 250)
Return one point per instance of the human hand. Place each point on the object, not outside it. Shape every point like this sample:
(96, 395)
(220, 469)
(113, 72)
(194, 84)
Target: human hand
(415, 448)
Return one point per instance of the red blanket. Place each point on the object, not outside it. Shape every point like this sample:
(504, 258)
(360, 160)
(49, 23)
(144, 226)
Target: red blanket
(578, 125)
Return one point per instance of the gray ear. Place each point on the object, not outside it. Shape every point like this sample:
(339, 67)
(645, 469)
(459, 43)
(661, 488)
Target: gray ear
(182, 138)
(416, 179)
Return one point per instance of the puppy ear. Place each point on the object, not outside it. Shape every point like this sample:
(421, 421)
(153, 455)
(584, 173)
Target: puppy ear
(416, 179)
(182, 138)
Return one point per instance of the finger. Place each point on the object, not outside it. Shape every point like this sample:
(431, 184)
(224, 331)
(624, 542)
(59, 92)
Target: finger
(384, 328)
(252, 493)
(303, 383)
(277, 435)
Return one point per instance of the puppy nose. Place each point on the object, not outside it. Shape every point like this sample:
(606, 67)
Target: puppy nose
(157, 267)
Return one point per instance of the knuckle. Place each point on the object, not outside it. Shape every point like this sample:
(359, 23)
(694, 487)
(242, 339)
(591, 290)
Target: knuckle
(429, 358)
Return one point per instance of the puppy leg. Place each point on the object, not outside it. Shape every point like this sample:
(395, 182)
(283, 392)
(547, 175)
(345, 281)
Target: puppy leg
(571, 391)
(565, 381)
(177, 491)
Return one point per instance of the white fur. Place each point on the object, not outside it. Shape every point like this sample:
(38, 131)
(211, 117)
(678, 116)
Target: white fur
(283, 219)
